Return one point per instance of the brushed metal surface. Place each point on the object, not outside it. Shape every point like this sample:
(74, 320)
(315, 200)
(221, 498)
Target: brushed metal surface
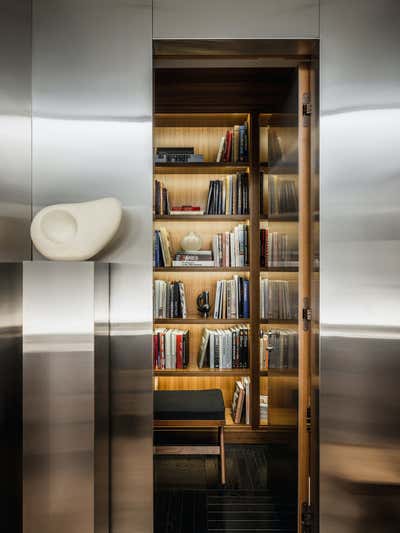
(15, 130)
(131, 398)
(58, 397)
(235, 19)
(360, 254)
(11, 396)
(92, 103)
(101, 398)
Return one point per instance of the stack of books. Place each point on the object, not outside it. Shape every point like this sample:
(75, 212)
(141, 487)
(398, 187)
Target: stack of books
(170, 348)
(224, 348)
(161, 201)
(198, 258)
(162, 256)
(232, 298)
(241, 401)
(264, 409)
(229, 196)
(186, 210)
(230, 249)
(274, 250)
(234, 145)
(278, 300)
(279, 349)
(169, 299)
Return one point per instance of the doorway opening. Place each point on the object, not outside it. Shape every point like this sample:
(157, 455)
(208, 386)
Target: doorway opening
(235, 274)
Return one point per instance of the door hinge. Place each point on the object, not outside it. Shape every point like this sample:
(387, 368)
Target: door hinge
(307, 109)
(306, 518)
(308, 419)
(307, 314)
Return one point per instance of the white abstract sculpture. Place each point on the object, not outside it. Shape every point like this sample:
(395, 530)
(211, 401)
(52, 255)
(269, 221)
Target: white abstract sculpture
(75, 232)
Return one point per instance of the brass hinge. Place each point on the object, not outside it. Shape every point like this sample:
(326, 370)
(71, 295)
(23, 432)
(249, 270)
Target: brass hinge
(307, 109)
(306, 518)
(308, 419)
(307, 314)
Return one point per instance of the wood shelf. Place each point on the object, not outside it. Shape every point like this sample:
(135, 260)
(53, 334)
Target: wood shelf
(199, 168)
(284, 217)
(278, 322)
(202, 218)
(223, 372)
(205, 321)
(279, 269)
(196, 120)
(201, 269)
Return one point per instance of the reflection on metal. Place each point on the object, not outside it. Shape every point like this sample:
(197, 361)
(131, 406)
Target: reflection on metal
(360, 257)
(92, 103)
(131, 398)
(227, 19)
(58, 397)
(11, 396)
(101, 398)
(15, 130)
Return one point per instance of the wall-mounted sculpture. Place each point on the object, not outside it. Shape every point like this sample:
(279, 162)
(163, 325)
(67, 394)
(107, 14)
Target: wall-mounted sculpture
(76, 232)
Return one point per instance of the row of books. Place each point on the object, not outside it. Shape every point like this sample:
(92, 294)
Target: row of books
(169, 299)
(231, 249)
(224, 348)
(241, 401)
(282, 194)
(232, 298)
(161, 200)
(275, 251)
(170, 348)
(279, 349)
(234, 145)
(278, 300)
(229, 196)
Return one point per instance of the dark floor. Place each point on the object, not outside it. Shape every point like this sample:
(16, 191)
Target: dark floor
(260, 494)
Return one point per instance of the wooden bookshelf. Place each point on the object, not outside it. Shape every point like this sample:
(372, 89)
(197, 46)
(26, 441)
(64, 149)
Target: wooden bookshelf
(188, 184)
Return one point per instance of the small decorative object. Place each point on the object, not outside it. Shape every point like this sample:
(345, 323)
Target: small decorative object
(191, 242)
(203, 304)
(76, 232)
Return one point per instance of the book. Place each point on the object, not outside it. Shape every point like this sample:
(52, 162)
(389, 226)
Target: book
(282, 195)
(192, 263)
(237, 402)
(221, 149)
(161, 199)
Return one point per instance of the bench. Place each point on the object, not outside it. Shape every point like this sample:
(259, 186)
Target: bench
(191, 409)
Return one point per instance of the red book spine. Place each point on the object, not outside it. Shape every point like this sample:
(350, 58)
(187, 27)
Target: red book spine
(155, 350)
(162, 351)
(179, 351)
(266, 248)
(228, 152)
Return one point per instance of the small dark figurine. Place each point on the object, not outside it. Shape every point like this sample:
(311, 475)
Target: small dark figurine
(203, 304)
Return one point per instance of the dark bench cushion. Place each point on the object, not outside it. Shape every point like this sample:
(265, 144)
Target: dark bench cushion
(189, 405)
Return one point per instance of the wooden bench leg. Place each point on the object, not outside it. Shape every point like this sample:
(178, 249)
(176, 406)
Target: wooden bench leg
(222, 454)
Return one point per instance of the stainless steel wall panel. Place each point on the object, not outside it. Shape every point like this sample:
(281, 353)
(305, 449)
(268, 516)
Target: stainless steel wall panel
(235, 19)
(11, 396)
(131, 398)
(58, 397)
(101, 398)
(92, 105)
(360, 254)
(15, 129)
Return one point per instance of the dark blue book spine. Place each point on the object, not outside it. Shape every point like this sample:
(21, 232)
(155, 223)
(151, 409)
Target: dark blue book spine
(246, 309)
(157, 250)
